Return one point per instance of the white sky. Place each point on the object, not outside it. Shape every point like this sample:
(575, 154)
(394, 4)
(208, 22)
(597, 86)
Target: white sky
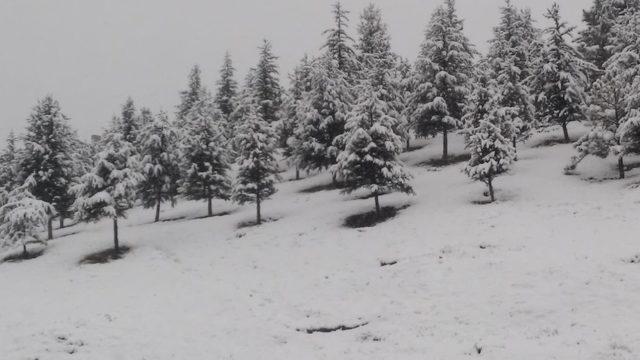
(92, 54)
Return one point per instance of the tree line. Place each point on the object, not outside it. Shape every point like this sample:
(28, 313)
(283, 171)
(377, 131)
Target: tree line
(351, 109)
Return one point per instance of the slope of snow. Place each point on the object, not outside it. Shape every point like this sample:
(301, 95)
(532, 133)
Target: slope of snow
(541, 274)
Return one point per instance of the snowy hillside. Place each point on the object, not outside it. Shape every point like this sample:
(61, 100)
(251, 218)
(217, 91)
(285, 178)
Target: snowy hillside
(547, 272)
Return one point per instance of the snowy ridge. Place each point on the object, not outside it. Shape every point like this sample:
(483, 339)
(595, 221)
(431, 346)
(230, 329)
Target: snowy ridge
(540, 274)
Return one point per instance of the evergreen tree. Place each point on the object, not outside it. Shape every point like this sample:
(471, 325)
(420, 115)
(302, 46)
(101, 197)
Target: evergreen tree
(9, 166)
(323, 112)
(374, 42)
(509, 56)
(160, 163)
(257, 166)
(402, 83)
(266, 85)
(491, 153)
(560, 77)
(129, 122)
(146, 117)
(596, 42)
(370, 159)
(339, 44)
(190, 96)
(22, 217)
(290, 118)
(48, 156)
(227, 87)
(442, 76)
(206, 163)
(485, 121)
(109, 189)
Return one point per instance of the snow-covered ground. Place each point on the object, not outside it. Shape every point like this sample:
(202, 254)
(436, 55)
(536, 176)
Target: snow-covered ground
(541, 274)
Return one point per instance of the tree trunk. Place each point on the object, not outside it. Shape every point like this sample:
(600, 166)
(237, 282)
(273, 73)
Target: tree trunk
(445, 145)
(25, 253)
(621, 166)
(334, 179)
(61, 219)
(297, 173)
(491, 194)
(514, 142)
(377, 205)
(209, 206)
(408, 143)
(566, 132)
(258, 216)
(50, 229)
(157, 209)
(116, 244)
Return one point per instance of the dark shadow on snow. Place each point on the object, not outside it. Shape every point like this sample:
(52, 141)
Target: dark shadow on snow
(105, 256)
(324, 187)
(370, 219)
(251, 223)
(451, 160)
(18, 257)
(332, 329)
(552, 142)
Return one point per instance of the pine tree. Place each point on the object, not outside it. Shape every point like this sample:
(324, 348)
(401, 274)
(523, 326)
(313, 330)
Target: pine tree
(485, 121)
(510, 60)
(370, 159)
(23, 216)
(206, 163)
(9, 166)
(402, 83)
(129, 122)
(323, 112)
(339, 44)
(160, 163)
(190, 96)
(491, 153)
(374, 43)
(442, 76)
(257, 166)
(596, 42)
(560, 77)
(48, 156)
(227, 89)
(266, 85)
(109, 190)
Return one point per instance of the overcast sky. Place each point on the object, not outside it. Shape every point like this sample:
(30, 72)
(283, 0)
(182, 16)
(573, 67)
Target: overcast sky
(92, 54)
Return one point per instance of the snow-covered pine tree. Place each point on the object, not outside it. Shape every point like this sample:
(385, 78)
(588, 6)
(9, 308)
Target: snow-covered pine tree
(189, 96)
(442, 77)
(290, 118)
(402, 81)
(129, 122)
(491, 153)
(9, 166)
(380, 65)
(205, 152)
(627, 67)
(48, 156)
(339, 44)
(266, 85)
(510, 60)
(374, 43)
(370, 158)
(485, 121)
(23, 217)
(596, 42)
(257, 166)
(323, 112)
(146, 116)
(560, 77)
(160, 163)
(109, 189)
(226, 91)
